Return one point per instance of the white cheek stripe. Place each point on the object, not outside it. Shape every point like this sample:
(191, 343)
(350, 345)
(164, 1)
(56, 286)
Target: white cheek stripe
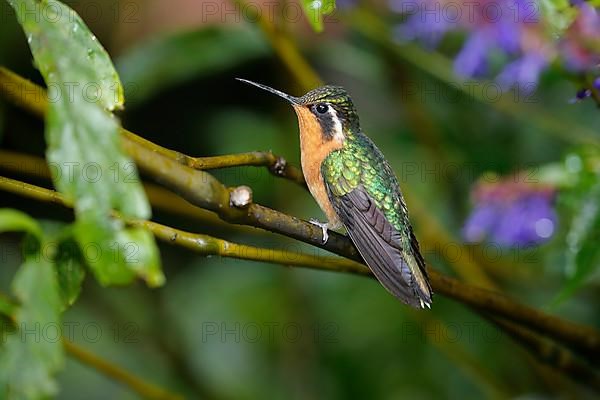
(338, 132)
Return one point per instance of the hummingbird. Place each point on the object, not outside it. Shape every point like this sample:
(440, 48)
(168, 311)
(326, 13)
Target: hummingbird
(356, 188)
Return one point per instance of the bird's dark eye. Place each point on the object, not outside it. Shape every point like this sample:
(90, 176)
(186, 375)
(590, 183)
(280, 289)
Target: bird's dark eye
(321, 108)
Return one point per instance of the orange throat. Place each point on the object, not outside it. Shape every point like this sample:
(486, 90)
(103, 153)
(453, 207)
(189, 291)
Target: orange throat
(313, 150)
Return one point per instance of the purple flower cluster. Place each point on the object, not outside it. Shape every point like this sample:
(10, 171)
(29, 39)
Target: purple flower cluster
(580, 46)
(512, 29)
(511, 214)
(509, 27)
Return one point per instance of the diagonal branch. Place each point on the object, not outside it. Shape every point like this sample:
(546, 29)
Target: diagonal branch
(145, 389)
(581, 338)
(203, 244)
(159, 197)
(278, 166)
(551, 354)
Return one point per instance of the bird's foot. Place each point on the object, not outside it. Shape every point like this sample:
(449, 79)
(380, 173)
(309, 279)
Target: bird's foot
(425, 304)
(323, 226)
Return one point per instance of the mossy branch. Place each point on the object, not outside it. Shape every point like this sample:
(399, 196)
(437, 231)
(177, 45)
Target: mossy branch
(551, 354)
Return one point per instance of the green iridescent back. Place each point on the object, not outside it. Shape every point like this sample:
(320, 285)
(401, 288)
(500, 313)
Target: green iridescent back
(360, 162)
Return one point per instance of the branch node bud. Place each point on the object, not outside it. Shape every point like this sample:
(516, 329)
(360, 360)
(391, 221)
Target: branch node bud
(240, 197)
(278, 168)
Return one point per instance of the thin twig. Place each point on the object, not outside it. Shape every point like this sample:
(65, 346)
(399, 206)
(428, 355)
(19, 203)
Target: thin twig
(145, 389)
(551, 354)
(278, 166)
(160, 198)
(285, 49)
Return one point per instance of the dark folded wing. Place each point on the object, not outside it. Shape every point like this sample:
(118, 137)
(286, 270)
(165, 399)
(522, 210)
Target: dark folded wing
(400, 269)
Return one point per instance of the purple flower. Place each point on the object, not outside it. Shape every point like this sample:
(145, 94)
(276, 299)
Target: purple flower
(427, 27)
(512, 214)
(579, 47)
(510, 27)
(472, 59)
(345, 4)
(523, 73)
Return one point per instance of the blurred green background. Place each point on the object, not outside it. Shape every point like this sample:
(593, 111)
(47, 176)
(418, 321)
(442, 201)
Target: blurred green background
(231, 329)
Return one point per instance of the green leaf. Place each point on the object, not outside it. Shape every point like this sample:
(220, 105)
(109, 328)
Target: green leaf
(66, 51)
(14, 220)
(7, 308)
(558, 13)
(69, 271)
(89, 166)
(315, 10)
(33, 352)
(582, 199)
(583, 253)
(170, 60)
(62, 250)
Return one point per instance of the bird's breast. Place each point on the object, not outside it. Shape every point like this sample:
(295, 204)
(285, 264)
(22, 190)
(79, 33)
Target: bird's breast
(313, 150)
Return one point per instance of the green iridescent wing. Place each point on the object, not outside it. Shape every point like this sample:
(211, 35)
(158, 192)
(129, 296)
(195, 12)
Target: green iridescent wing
(366, 196)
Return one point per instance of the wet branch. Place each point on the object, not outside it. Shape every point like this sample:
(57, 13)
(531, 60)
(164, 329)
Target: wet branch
(202, 244)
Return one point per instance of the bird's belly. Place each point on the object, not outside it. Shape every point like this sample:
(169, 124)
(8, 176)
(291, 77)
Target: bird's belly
(316, 185)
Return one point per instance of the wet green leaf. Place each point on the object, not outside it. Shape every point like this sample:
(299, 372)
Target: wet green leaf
(315, 10)
(33, 352)
(89, 166)
(69, 271)
(65, 51)
(17, 221)
(558, 13)
(64, 253)
(582, 252)
(7, 308)
(169, 60)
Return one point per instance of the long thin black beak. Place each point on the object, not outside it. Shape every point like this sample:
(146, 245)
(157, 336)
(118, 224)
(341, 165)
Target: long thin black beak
(291, 99)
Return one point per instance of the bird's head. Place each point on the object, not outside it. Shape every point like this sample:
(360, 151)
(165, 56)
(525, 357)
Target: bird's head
(327, 111)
